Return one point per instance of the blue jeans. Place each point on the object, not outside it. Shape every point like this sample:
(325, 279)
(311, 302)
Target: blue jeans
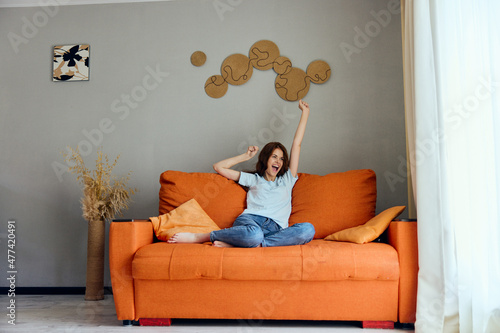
(250, 230)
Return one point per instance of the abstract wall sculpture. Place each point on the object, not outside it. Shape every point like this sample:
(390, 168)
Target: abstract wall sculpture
(71, 63)
(198, 58)
(291, 83)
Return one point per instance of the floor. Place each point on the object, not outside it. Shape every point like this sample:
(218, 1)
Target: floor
(71, 313)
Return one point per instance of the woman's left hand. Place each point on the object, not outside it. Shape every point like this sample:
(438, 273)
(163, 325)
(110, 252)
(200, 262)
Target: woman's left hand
(303, 106)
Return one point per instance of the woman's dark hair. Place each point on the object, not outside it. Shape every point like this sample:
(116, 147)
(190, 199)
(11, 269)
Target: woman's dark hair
(265, 154)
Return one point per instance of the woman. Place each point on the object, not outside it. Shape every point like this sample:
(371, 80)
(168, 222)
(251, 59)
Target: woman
(269, 200)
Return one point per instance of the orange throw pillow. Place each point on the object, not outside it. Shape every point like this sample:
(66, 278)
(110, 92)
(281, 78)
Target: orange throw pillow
(369, 231)
(188, 217)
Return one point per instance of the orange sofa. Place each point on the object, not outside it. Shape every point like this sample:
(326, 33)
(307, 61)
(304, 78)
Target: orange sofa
(322, 280)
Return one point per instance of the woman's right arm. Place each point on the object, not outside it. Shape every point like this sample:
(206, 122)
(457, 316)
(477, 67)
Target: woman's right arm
(223, 167)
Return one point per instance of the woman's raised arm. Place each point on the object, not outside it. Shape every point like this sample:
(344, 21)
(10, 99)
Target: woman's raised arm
(223, 167)
(297, 140)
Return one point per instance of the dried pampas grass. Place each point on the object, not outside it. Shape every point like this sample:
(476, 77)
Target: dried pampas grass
(104, 195)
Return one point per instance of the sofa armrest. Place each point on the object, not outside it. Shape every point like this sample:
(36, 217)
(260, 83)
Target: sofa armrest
(125, 238)
(403, 237)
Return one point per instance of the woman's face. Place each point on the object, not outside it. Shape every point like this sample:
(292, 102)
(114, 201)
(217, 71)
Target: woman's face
(274, 164)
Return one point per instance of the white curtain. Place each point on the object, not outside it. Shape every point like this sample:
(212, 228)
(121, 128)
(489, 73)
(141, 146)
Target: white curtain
(452, 101)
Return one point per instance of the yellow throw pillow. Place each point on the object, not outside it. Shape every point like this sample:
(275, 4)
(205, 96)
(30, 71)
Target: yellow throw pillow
(370, 230)
(188, 217)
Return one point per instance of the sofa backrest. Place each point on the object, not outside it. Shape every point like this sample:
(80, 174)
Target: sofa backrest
(334, 202)
(222, 199)
(331, 203)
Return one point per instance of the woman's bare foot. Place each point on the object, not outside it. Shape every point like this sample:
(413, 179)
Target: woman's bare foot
(221, 244)
(189, 237)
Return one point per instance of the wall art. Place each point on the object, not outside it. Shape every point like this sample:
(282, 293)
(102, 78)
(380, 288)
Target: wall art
(71, 62)
(198, 58)
(291, 83)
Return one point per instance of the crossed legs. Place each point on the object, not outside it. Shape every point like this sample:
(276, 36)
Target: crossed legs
(251, 231)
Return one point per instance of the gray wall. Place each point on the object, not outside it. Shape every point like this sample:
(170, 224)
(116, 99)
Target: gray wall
(357, 117)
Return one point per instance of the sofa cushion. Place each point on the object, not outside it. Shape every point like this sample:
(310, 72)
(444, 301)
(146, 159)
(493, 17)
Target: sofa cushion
(318, 260)
(334, 202)
(188, 217)
(369, 231)
(222, 199)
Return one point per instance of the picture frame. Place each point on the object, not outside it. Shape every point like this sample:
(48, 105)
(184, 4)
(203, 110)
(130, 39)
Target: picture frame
(71, 62)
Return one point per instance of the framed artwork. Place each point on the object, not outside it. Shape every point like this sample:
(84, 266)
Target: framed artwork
(71, 62)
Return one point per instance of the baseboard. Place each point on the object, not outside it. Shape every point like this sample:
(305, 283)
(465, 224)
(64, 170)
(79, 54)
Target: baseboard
(49, 291)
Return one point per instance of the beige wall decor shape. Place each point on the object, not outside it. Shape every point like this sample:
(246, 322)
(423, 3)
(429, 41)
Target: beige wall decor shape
(291, 83)
(198, 58)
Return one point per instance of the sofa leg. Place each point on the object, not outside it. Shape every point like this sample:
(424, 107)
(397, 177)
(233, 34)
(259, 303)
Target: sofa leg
(406, 326)
(130, 323)
(378, 324)
(155, 321)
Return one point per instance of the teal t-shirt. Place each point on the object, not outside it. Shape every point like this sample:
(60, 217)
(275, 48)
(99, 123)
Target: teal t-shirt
(269, 199)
